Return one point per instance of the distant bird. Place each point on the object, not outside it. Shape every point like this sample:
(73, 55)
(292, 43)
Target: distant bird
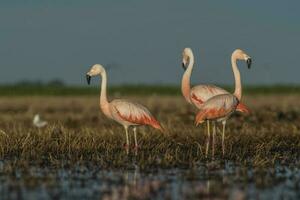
(199, 94)
(220, 107)
(37, 122)
(122, 111)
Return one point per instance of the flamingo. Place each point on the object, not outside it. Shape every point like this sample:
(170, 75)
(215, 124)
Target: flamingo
(220, 107)
(122, 111)
(199, 94)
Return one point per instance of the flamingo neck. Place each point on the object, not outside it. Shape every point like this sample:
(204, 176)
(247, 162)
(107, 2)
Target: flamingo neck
(237, 78)
(186, 79)
(104, 105)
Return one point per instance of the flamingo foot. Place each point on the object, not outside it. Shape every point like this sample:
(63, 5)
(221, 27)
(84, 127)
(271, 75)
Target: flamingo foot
(136, 147)
(126, 146)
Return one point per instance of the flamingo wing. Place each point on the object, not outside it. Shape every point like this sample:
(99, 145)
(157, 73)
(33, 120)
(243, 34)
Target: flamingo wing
(133, 113)
(201, 93)
(217, 107)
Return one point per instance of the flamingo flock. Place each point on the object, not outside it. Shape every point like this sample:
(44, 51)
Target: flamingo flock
(200, 94)
(214, 104)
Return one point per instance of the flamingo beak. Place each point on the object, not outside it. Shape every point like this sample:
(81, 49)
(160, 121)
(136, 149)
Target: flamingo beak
(249, 62)
(88, 79)
(183, 66)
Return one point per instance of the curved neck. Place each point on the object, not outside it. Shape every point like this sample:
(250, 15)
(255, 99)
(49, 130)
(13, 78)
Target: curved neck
(186, 79)
(237, 78)
(104, 105)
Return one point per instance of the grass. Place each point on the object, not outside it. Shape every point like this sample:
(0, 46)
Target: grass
(79, 133)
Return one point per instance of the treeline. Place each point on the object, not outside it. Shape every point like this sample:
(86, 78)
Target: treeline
(55, 82)
(58, 88)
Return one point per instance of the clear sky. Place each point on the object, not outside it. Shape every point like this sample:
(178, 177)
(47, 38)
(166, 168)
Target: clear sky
(143, 40)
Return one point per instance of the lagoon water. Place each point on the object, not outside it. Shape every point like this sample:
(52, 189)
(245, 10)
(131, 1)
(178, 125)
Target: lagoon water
(212, 180)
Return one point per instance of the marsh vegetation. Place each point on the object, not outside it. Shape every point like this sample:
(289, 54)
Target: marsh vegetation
(80, 142)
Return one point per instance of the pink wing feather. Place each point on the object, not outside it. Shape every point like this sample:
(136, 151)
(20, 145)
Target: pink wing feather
(217, 107)
(201, 93)
(243, 108)
(134, 113)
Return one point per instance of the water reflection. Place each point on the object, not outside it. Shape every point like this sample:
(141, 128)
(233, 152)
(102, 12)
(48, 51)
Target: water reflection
(222, 181)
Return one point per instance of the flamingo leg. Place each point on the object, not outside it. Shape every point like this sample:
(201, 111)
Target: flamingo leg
(214, 137)
(208, 139)
(127, 139)
(223, 137)
(135, 140)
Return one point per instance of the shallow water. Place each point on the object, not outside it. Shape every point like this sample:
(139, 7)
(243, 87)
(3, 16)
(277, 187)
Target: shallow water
(212, 180)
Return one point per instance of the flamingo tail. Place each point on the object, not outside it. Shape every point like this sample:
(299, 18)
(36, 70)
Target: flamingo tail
(200, 117)
(243, 108)
(155, 124)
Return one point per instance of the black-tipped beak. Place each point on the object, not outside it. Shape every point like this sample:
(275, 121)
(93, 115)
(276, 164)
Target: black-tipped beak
(183, 66)
(249, 62)
(88, 79)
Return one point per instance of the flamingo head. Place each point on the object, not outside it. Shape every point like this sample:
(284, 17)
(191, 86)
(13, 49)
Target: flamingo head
(95, 70)
(241, 55)
(186, 55)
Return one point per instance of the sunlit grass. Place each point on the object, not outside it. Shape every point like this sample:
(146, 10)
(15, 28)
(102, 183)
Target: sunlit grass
(78, 133)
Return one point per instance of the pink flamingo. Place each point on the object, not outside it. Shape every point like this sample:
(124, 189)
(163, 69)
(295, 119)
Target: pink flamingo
(220, 107)
(199, 94)
(122, 111)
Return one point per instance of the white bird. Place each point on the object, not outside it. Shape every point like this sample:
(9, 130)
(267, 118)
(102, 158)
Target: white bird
(37, 122)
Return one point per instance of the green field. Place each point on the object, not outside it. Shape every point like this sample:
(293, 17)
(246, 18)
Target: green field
(60, 90)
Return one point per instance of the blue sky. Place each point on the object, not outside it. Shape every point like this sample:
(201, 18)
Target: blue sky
(143, 40)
